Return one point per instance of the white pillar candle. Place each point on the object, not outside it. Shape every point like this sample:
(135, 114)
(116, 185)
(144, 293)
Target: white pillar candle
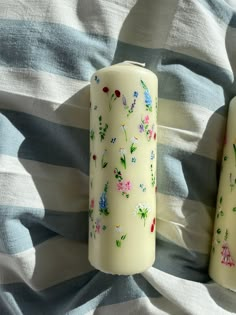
(122, 210)
(223, 253)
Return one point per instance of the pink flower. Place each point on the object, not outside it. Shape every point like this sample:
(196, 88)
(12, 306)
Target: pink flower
(127, 185)
(146, 119)
(92, 203)
(120, 186)
(150, 133)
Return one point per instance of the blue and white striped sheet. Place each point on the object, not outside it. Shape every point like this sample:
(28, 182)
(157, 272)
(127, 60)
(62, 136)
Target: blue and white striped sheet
(48, 52)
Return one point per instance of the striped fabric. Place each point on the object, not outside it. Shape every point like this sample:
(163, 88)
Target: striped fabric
(48, 51)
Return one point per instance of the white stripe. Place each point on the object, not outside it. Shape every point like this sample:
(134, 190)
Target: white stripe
(55, 98)
(192, 297)
(144, 305)
(187, 223)
(177, 26)
(40, 185)
(49, 263)
(196, 32)
(81, 16)
(192, 128)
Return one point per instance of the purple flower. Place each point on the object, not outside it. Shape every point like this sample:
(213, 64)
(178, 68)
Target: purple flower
(141, 128)
(124, 100)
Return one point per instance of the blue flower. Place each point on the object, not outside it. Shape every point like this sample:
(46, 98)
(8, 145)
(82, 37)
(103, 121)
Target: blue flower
(148, 99)
(103, 201)
(135, 94)
(152, 155)
(133, 160)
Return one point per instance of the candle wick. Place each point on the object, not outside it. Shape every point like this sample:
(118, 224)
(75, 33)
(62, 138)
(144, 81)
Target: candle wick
(135, 63)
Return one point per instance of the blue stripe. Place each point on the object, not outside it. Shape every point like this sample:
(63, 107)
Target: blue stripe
(22, 227)
(181, 262)
(183, 78)
(221, 10)
(53, 48)
(186, 175)
(78, 295)
(65, 51)
(29, 137)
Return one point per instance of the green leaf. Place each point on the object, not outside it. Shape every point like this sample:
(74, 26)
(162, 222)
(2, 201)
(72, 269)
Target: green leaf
(218, 231)
(225, 158)
(143, 85)
(100, 118)
(221, 199)
(123, 237)
(104, 227)
(222, 213)
(104, 164)
(118, 243)
(234, 209)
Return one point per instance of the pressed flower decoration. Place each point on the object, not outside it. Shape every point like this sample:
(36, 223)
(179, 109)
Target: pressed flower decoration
(103, 204)
(142, 210)
(124, 186)
(91, 209)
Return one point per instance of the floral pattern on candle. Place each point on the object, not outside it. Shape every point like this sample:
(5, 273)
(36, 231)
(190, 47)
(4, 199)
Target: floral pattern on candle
(147, 97)
(226, 258)
(133, 147)
(123, 186)
(120, 240)
(142, 210)
(130, 109)
(102, 129)
(92, 134)
(143, 187)
(97, 228)
(232, 181)
(103, 162)
(153, 225)
(94, 157)
(116, 94)
(123, 128)
(123, 157)
(91, 209)
(145, 128)
(103, 204)
(219, 211)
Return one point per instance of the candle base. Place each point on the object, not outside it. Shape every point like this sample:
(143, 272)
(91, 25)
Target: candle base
(114, 272)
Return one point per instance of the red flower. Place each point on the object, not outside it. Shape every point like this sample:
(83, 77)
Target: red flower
(152, 227)
(154, 221)
(105, 89)
(94, 157)
(117, 93)
(155, 136)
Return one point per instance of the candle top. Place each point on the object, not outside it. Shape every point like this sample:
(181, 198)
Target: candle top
(128, 65)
